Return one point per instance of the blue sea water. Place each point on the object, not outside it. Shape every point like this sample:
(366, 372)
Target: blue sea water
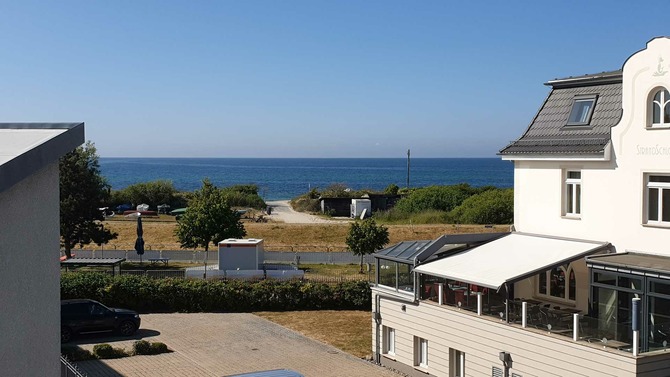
(286, 178)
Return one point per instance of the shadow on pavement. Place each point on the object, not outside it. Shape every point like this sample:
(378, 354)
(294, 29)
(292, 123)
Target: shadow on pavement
(110, 337)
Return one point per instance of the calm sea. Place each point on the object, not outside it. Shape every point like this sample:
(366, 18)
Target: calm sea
(286, 178)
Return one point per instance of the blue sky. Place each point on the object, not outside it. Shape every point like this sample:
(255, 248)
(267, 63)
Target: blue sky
(304, 78)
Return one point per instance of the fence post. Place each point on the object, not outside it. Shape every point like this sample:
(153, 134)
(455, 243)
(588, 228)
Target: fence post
(524, 314)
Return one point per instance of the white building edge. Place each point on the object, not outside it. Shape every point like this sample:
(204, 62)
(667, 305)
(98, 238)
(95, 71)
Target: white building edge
(592, 221)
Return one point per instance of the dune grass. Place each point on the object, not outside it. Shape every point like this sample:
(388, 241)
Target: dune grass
(159, 235)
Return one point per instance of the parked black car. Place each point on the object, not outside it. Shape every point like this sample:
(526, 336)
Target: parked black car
(87, 316)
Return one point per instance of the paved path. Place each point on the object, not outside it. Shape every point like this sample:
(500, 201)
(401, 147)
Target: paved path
(282, 211)
(214, 344)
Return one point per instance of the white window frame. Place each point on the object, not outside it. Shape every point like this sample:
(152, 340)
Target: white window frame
(585, 118)
(420, 352)
(389, 341)
(660, 186)
(662, 104)
(572, 186)
(456, 363)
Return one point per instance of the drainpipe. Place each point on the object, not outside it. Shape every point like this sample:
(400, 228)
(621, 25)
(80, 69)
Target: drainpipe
(378, 322)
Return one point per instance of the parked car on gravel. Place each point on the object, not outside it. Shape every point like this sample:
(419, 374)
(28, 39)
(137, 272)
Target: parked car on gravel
(83, 316)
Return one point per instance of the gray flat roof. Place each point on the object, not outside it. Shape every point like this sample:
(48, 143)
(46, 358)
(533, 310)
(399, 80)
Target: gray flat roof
(26, 148)
(629, 261)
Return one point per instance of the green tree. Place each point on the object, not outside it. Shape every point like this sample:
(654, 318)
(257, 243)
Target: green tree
(208, 219)
(391, 189)
(82, 192)
(153, 193)
(366, 237)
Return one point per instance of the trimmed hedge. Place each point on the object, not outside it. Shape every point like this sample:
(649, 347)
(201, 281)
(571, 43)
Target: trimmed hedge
(189, 295)
(143, 347)
(106, 351)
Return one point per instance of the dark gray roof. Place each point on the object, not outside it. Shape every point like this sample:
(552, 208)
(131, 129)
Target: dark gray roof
(548, 133)
(47, 150)
(414, 252)
(403, 251)
(92, 262)
(647, 263)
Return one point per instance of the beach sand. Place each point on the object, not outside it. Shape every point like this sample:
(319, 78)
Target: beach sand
(282, 212)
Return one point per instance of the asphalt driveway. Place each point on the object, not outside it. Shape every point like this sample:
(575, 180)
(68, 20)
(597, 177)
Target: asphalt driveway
(220, 344)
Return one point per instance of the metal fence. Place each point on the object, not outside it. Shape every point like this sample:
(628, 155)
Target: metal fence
(69, 369)
(309, 257)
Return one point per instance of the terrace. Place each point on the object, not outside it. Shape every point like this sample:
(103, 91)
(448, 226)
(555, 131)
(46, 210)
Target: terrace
(505, 282)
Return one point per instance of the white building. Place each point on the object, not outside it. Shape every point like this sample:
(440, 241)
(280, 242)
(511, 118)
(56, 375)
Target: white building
(592, 224)
(29, 245)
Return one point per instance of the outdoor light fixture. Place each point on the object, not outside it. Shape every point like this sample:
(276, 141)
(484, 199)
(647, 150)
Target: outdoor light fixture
(403, 308)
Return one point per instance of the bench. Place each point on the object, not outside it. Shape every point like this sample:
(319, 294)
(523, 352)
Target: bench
(159, 260)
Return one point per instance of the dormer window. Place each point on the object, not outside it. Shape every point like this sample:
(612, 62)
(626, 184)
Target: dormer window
(582, 109)
(661, 109)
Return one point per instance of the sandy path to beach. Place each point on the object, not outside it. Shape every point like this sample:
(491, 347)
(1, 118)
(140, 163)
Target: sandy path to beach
(282, 211)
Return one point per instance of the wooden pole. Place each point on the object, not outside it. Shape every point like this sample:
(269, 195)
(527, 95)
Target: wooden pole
(408, 168)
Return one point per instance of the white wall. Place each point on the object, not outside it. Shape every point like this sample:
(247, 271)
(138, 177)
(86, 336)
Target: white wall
(30, 276)
(612, 192)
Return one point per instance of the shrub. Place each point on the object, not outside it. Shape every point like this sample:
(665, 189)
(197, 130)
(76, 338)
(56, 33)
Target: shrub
(158, 348)
(442, 198)
(141, 347)
(190, 295)
(76, 353)
(84, 285)
(489, 207)
(306, 202)
(106, 351)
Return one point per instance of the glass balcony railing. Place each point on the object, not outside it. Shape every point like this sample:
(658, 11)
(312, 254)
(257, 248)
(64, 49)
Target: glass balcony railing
(559, 321)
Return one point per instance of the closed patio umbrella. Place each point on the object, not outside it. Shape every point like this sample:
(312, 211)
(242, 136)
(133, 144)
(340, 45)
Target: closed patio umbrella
(139, 243)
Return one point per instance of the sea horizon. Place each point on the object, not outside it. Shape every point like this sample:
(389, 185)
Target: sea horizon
(287, 177)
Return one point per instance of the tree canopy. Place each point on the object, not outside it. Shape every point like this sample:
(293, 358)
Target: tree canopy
(366, 237)
(82, 192)
(208, 219)
(153, 193)
(494, 206)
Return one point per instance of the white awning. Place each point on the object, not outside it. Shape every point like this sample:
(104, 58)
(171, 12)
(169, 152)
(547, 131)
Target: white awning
(510, 259)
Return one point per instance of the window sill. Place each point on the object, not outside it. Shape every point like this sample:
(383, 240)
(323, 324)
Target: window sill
(657, 225)
(658, 127)
(422, 368)
(571, 217)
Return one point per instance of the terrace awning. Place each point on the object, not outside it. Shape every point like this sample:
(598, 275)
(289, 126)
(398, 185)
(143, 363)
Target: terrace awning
(509, 259)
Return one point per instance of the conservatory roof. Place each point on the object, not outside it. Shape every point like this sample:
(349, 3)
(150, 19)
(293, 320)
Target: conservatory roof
(418, 251)
(509, 259)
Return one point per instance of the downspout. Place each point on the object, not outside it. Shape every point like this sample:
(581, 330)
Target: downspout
(378, 322)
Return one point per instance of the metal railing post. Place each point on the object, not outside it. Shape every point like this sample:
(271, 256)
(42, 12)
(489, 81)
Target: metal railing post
(524, 314)
(480, 303)
(440, 289)
(575, 327)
